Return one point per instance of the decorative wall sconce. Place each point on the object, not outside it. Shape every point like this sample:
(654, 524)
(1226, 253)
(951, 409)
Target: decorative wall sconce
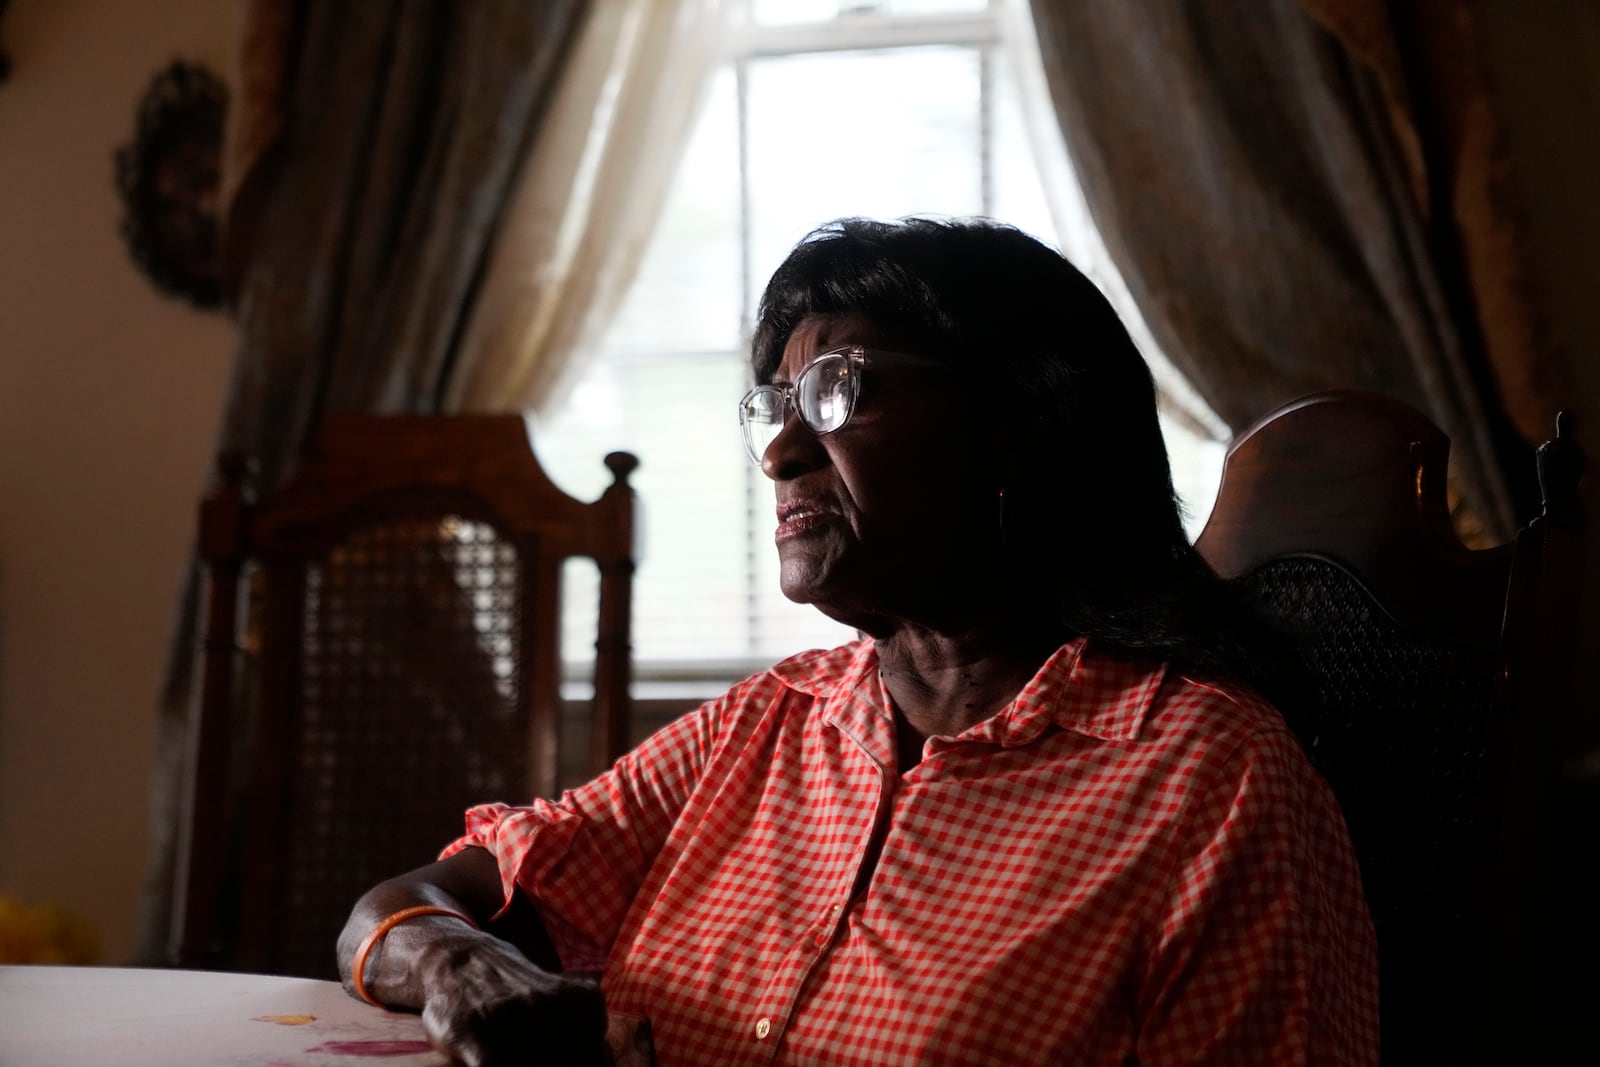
(168, 178)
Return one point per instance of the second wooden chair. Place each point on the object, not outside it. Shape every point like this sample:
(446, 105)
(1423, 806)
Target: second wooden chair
(382, 650)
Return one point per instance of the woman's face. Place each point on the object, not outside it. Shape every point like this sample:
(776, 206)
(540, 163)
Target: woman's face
(894, 516)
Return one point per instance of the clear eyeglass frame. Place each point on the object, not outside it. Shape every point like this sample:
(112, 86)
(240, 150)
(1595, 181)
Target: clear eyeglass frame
(823, 395)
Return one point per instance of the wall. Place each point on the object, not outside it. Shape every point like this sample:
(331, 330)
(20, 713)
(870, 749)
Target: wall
(109, 394)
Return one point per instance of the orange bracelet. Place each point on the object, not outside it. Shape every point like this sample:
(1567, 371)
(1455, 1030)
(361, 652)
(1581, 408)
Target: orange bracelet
(384, 927)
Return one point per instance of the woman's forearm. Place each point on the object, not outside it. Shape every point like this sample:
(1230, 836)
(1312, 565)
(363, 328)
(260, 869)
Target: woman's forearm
(467, 883)
(485, 988)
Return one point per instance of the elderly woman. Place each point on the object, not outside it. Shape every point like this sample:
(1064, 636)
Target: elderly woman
(1036, 814)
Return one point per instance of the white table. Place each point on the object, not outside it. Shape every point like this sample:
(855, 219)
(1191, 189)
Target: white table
(128, 1017)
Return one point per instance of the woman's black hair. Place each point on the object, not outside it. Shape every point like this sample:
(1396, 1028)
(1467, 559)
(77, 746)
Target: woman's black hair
(1089, 515)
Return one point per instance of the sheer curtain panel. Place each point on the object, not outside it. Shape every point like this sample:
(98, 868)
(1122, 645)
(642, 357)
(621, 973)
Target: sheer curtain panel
(583, 215)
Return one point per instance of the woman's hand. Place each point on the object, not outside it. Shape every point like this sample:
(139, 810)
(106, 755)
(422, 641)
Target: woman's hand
(485, 1004)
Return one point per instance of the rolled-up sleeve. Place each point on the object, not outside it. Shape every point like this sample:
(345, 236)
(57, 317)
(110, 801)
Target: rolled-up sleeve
(581, 859)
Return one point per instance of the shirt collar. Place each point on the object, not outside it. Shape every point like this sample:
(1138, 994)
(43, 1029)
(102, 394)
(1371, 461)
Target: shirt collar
(846, 682)
(823, 673)
(1079, 688)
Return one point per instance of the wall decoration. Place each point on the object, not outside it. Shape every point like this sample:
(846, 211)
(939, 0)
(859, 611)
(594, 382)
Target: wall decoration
(169, 178)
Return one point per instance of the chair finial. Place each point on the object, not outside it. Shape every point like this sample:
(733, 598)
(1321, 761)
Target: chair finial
(621, 464)
(1560, 463)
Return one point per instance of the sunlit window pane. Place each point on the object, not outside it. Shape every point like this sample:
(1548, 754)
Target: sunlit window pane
(692, 587)
(784, 12)
(877, 133)
(1017, 191)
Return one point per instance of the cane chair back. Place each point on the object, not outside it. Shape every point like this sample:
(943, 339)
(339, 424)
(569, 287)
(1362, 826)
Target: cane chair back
(381, 652)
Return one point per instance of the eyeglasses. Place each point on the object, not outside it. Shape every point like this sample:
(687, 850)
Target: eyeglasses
(824, 395)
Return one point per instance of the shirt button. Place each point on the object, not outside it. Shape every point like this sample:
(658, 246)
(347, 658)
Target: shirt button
(763, 1028)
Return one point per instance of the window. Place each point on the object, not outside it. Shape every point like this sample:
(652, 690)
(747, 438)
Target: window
(825, 108)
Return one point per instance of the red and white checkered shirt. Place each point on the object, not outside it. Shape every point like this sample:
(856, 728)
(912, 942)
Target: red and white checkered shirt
(1124, 866)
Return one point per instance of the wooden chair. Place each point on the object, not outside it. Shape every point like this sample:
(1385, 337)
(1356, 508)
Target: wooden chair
(381, 652)
(1435, 680)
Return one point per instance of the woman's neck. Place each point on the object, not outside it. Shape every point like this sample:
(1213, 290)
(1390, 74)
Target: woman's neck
(942, 684)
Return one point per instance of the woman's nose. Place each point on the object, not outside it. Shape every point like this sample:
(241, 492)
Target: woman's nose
(794, 451)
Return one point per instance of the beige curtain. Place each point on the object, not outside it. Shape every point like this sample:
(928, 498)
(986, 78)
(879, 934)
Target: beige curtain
(584, 214)
(373, 153)
(1306, 195)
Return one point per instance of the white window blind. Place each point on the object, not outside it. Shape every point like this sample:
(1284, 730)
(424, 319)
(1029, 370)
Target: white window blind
(826, 109)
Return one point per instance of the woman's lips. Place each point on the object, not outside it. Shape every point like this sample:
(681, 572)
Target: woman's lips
(796, 520)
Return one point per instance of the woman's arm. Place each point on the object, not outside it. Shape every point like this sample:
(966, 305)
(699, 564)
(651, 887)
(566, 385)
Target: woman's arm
(496, 988)
(484, 999)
